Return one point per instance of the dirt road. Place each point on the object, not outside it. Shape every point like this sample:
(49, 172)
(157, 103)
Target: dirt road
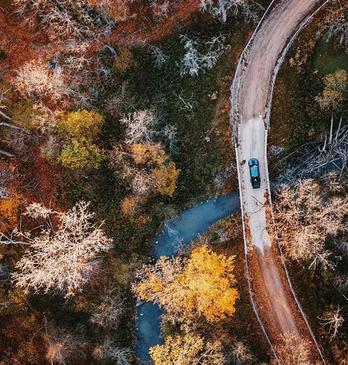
(274, 301)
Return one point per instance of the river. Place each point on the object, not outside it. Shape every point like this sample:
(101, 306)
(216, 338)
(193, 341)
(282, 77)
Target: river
(175, 234)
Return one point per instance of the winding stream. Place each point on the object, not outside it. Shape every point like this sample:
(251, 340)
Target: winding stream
(177, 233)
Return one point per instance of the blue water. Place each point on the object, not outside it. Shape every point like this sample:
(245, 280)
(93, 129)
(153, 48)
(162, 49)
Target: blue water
(177, 233)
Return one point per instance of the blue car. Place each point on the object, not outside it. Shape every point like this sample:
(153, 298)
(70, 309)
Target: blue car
(254, 168)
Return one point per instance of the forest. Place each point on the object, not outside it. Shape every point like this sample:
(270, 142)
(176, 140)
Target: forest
(114, 122)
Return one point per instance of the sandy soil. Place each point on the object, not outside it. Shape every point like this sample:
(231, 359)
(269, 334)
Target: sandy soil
(251, 101)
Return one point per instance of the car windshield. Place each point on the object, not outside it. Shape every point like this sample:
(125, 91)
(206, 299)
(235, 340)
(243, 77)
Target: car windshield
(254, 171)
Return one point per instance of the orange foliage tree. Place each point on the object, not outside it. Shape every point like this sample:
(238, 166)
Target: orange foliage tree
(164, 173)
(187, 350)
(147, 167)
(165, 178)
(201, 286)
(9, 210)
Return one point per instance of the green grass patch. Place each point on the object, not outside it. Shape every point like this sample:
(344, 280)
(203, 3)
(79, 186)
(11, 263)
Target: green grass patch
(328, 58)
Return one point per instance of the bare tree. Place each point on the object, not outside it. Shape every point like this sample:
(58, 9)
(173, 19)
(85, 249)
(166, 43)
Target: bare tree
(195, 59)
(19, 141)
(306, 215)
(293, 350)
(63, 346)
(160, 8)
(221, 8)
(110, 351)
(159, 58)
(35, 79)
(108, 313)
(190, 64)
(240, 353)
(4, 274)
(142, 182)
(140, 126)
(334, 320)
(3, 103)
(68, 18)
(62, 260)
(5, 179)
(339, 30)
(316, 160)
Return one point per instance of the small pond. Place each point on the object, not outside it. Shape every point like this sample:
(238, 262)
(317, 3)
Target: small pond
(177, 233)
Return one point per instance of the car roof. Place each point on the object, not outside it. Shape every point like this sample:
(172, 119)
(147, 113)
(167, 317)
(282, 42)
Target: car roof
(254, 171)
(253, 161)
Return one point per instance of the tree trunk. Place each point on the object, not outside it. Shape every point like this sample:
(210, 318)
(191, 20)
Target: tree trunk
(7, 154)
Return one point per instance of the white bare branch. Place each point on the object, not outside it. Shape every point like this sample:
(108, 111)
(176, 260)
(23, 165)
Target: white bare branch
(64, 260)
(334, 320)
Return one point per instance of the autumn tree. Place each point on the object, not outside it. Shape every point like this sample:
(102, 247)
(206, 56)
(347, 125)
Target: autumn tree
(140, 126)
(221, 8)
(9, 210)
(124, 59)
(187, 349)
(80, 152)
(61, 259)
(110, 351)
(293, 350)
(147, 167)
(10, 199)
(63, 346)
(118, 9)
(108, 312)
(240, 353)
(165, 177)
(35, 115)
(335, 85)
(36, 79)
(201, 286)
(129, 206)
(306, 216)
(82, 124)
(148, 154)
(82, 20)
(163, 174)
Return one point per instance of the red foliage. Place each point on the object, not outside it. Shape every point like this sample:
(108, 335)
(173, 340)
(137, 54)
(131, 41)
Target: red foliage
(19, 44)
(142, 29)
(50, 181)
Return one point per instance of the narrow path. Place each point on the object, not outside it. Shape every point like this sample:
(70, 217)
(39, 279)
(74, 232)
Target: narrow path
(274, 301)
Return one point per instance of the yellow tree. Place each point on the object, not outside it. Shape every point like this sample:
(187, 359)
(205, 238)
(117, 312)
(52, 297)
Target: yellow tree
(148, 154)
(333, 94)
(161, 170)
(124, 60)
(165, 177)
(187, 350)
(82, 124)
(201, 286)
(80, 154)
(82, 127)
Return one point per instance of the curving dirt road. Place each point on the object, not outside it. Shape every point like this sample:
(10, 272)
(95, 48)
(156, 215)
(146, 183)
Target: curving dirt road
(274, 301)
